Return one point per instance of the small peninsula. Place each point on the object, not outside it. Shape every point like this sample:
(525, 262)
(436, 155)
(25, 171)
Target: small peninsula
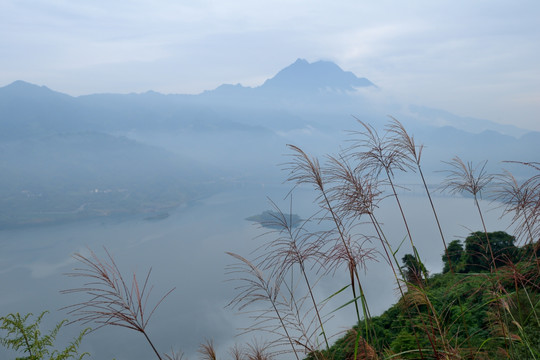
(275, 220)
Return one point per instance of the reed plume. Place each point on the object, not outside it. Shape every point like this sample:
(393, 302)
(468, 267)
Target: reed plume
(379, 154)
(207, 350)
(306, 170)
(256, 287)
(466, 178)
(412, 153)
(293, 247)
(522, 200)
(111, 299)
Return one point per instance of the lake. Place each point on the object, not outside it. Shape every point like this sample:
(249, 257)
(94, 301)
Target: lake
(186, 250)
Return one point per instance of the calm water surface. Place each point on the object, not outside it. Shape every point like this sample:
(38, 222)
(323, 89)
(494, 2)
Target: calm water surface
(187, 251)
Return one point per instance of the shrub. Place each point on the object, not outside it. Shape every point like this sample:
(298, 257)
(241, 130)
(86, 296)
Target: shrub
(22, 335)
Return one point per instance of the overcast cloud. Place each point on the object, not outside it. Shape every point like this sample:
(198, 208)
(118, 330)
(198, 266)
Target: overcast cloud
(475, 58)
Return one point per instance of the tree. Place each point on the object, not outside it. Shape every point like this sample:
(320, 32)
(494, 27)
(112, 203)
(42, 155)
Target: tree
(403, 343)
(454, 258)
(477, 254)
(414, 270)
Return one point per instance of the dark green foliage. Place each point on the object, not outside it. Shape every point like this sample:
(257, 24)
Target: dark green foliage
(404, 341)
(530, 251)
(525, 323)
(467, 325)
(414, 270)
(455, 256)
(476, 315)
(17, 334)
(477, 254)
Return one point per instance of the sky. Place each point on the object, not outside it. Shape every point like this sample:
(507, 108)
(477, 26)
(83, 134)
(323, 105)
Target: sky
(473, 58)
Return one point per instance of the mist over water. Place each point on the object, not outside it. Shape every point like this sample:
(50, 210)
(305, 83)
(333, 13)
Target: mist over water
(187, 251)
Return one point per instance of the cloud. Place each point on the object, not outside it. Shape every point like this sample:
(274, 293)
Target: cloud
(467, 57)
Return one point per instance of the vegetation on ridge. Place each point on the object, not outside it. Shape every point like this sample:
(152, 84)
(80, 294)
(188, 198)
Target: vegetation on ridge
(466, 307)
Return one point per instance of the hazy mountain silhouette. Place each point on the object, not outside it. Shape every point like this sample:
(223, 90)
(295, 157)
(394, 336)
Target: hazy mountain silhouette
(21, 89)
(27, 109)
(303, 97)
(300, 87)
(318, 94)
(302, 76)
(74, 176)
(52, 140)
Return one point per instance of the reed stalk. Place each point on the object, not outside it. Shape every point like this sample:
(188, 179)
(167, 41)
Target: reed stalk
(111, 301)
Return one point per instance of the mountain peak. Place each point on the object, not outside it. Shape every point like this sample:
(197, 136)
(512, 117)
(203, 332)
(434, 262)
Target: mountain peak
(22, 88)
(19, 85)
(300, 62)
(302, 75)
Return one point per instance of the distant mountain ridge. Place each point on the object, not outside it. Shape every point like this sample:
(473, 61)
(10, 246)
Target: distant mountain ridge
(317, 88)
(148, 152)
(24, 88)
(76, 176)
(302, 99)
